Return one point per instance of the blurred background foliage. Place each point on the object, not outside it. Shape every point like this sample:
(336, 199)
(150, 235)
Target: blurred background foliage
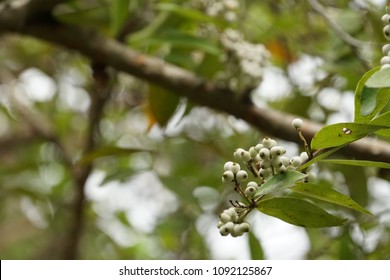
(154, 190)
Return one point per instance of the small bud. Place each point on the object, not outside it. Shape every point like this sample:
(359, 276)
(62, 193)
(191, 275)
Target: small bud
(297, 123)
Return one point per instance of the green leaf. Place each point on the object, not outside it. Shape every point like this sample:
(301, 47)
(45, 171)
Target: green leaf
(319, 157)
(109, 151)
(342, 133)
(379, 79)
(299, 212)
(119, 13)
(280, 182)
(364, 163)
(328, 194)
(384, 120)
(162, 105)
(256, 250)
(370, 98)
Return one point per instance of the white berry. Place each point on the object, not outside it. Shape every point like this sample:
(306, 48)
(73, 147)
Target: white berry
(227, 176)
(264, 153)
(242, 176)
(296, 161)
(277, 151)
(224, 218)
(228, 166)
(235, 167)
(250, 191)
(267, 142)
(297, 123)
(386, 31)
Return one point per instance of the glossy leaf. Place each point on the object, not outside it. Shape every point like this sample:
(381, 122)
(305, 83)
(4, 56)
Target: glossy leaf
(370, 99)
(364, 163)
(342, 133)
(299, 212)
(379, 79)
(327, 194)
(319, 157)
(384, 120)
(280, 182)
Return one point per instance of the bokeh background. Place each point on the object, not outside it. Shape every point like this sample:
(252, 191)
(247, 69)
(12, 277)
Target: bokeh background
(98, 164)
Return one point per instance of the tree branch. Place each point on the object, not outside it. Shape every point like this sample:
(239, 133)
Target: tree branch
(186, 84)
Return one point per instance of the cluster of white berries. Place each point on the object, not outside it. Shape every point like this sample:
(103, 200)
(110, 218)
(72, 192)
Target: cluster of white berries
(385, 60)
(226, 9)
(231, 222)
(264, 160)
(252, 58)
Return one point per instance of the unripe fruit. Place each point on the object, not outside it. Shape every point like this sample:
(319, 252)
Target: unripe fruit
(229, 226)
(252, 152)
(297, 123)
(225, 218)
(264, 173)
(258, 147)
(245, 156)
(264, 153)
(281, 170)
(296, 161)
(241, 176)
(386, 31)
(252, 184)
(276, 162)
(385, 60)
(277, 151)
(237, 230)
(232, 213)
(265, 164)
(386, 49)
(285, 160)
(244, 227)
(235, 167)
(238, 153)
(385, 19)
(228, 166)
(223, 231)
(304, 156)
(250, 191)
(267, 142)
(227, 177)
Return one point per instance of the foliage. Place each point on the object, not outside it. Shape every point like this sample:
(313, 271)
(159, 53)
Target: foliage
(148, 163)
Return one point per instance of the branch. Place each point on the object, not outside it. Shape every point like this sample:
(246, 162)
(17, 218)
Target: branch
(356, 45)
(186, 84)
